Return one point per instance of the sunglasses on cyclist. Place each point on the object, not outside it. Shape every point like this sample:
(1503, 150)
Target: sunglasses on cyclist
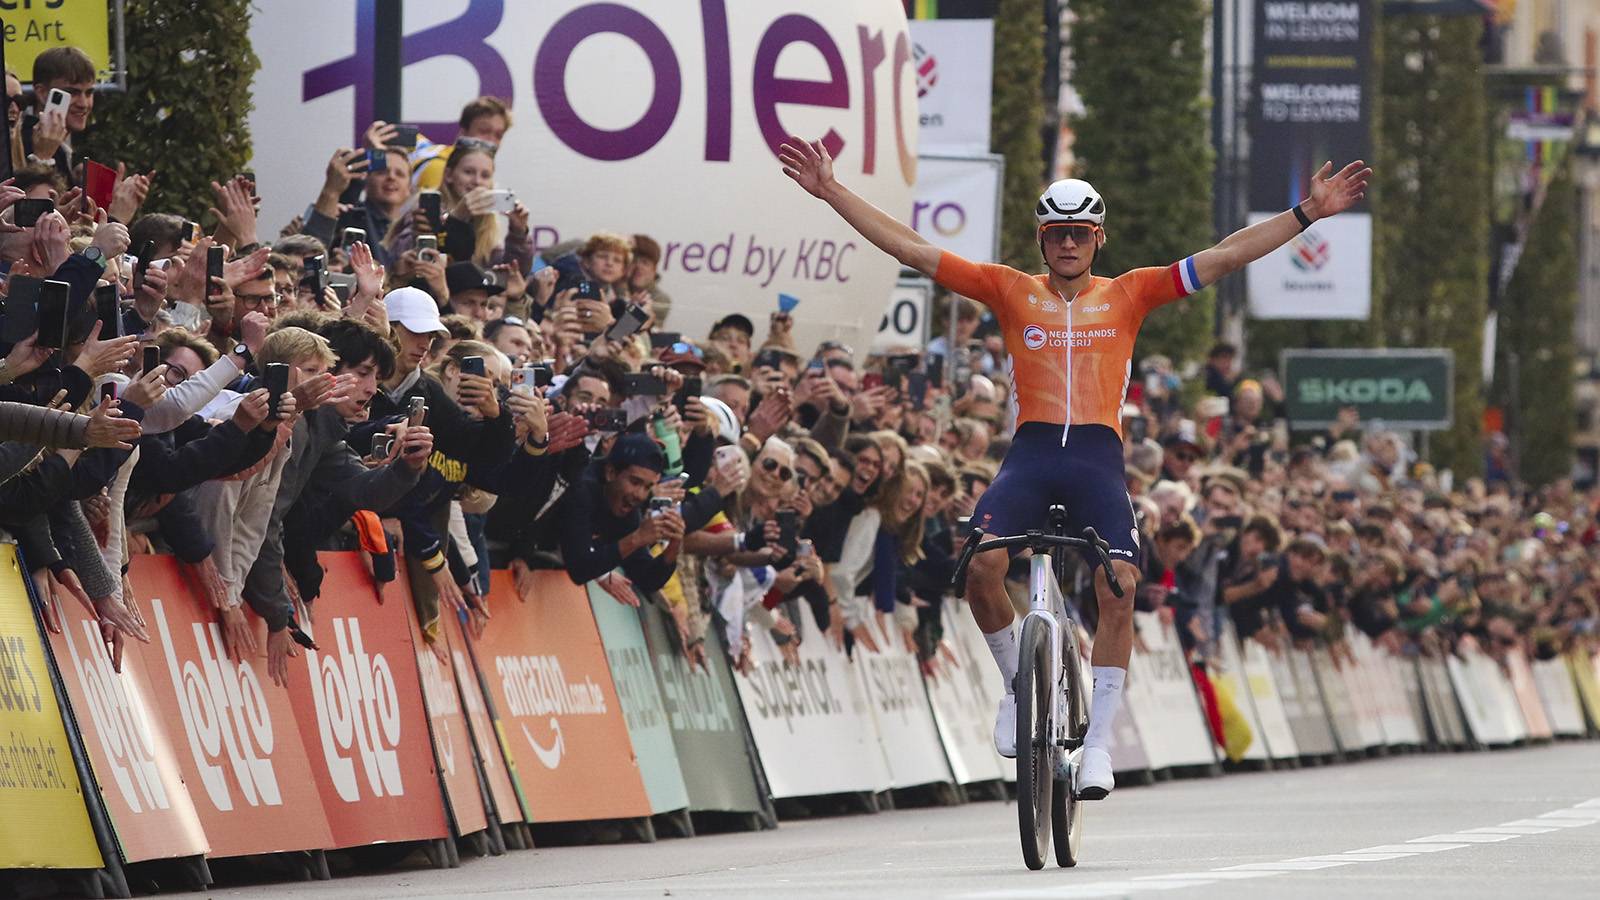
(1080, 233)
(771, 465)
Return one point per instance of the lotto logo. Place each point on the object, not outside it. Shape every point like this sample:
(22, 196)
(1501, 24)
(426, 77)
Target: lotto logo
(224, 712)
(1033, 337)
(358, 712)
(121, 721)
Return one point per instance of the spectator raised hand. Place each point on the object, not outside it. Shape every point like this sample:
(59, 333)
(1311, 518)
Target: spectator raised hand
(108, 428)
(129, 194)
(235, 212)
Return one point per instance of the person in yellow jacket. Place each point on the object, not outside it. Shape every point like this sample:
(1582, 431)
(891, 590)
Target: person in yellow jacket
(484, 118)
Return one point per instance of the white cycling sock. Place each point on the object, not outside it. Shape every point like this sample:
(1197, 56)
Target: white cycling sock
(1003, 644)
(1103, 707)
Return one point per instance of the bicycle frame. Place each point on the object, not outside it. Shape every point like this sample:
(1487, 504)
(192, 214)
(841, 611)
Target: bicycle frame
(1047, 605)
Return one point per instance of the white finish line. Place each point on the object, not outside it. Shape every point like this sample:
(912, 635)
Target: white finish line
(1585, 813)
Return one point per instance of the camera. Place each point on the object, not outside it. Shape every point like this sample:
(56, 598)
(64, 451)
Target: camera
(382, 445)
(606, 419)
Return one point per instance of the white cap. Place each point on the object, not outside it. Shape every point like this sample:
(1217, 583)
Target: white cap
(415, 309)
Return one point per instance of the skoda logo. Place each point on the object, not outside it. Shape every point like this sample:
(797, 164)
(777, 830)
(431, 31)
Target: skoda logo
(1033, 336)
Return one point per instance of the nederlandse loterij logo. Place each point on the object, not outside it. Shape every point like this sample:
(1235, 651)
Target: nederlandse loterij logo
(1309, 251)
(1033, 337)
(927, 70)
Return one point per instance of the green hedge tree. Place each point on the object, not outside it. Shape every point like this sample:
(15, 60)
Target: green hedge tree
(1016, 115)
(1433, 181)
(1537, 324)
(187, 108)
(1144, 141)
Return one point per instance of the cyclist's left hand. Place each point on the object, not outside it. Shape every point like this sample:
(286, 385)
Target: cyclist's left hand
(1332, 194)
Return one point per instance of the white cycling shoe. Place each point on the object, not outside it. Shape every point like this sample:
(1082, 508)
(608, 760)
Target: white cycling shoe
(1005, 727)
(1094, 778)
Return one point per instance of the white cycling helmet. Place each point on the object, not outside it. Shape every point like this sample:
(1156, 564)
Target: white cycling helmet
(1070, 200)
(722, 414)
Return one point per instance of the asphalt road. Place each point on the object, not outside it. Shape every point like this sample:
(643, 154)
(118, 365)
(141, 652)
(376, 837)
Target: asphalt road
(1507, 823)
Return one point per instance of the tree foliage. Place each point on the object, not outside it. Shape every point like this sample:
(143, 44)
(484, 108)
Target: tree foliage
(1432, 188)
(187, 107)
(1016, 116)
(1536, 324)
(1144, 141)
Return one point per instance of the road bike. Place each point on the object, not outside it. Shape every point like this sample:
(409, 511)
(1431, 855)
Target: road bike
(1052, 700)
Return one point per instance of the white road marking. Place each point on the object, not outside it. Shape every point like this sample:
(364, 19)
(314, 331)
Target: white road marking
(1585, 813)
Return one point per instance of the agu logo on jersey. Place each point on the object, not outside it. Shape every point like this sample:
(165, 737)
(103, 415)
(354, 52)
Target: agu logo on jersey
(1033, 337)
(1309, 251)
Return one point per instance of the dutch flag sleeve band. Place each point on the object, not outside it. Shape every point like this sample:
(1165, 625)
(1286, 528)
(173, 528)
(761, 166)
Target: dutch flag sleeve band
(1185, 278)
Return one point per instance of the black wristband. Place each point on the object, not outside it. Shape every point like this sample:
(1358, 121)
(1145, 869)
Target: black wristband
(1305, 220)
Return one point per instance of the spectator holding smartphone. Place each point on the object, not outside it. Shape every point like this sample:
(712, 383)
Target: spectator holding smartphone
(380, 198)
(471, 226)
(47, 133)
(483, 118)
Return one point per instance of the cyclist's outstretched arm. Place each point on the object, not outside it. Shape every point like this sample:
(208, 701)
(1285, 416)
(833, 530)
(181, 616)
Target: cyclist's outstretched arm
(812, 168)
(1331, 194)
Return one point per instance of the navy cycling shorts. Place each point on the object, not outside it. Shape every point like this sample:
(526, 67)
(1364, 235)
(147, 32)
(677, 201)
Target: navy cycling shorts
(1086, 476)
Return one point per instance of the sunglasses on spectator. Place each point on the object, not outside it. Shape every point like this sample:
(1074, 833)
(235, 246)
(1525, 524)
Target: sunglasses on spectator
(684, 347)
(771, 465)
(477, 144)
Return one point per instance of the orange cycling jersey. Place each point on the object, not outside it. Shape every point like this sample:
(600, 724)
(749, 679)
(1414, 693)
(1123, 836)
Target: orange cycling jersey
(1056, 349)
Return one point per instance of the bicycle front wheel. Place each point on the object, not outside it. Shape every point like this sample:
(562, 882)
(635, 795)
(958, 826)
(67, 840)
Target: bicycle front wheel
(1035, 756)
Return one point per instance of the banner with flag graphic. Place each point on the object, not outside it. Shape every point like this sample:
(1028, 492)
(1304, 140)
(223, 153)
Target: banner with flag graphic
(1311, 105)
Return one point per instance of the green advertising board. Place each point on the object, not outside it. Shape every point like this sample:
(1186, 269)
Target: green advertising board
(1401, 388)
(640, 698)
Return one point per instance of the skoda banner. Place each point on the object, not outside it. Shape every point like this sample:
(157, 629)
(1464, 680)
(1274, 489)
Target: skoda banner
(1311, 106)
(1401, 388)
(650, 116)
(954, 60)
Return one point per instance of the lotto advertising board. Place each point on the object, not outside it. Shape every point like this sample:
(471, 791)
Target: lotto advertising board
(359, 704)
(653, 116)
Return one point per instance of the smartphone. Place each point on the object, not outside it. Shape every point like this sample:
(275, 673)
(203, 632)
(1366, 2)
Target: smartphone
(108, 391)
(29, 211)
(152, 358)
(538, 376)
(632, 319)
(214, 262)
(661, 504)
(277, 378)
(917, 390)
(192, 230)
(1138, 428)
(1229, 521)
(692, 387)
(55, 314)
(250, 177)
(417, 411)
(427, 248)
(606, 419)
(642, 384)
(936, 371)
(141, 255)
(473, 365)
(58, 100)
(769, 359)
(342, 293)
(22, 309)
(108, 309)
(789, 529)
(382, 445)
(352, 235)
(504, 201)
(871, 380)
(660, 340)
(405, 136)
(432, 205)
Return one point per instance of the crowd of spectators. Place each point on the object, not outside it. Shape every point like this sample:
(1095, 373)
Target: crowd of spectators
(401, 371)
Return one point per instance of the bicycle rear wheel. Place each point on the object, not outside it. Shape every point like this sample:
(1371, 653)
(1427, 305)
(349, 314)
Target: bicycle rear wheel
(1035, 759)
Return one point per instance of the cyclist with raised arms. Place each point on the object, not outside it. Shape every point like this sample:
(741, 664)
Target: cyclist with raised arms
(1069, 339)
